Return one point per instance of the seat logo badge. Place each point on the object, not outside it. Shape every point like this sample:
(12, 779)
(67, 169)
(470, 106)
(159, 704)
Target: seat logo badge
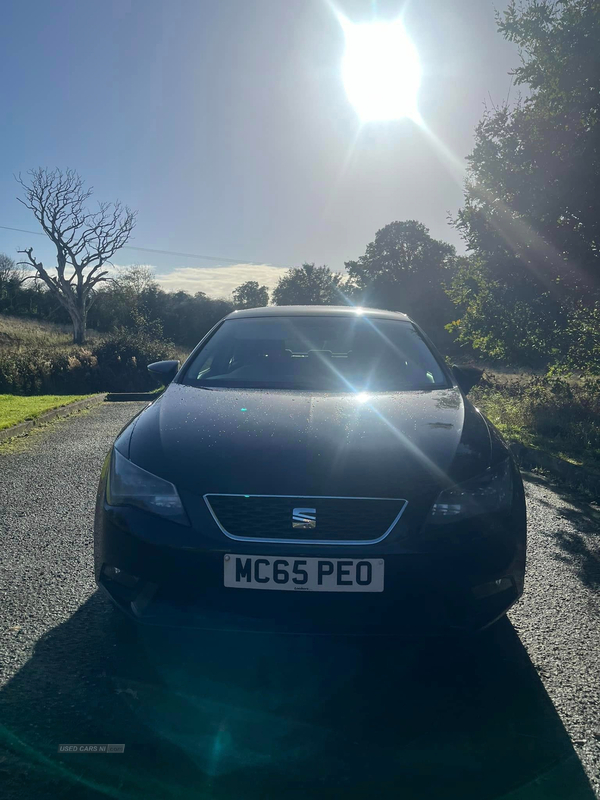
(304, 518)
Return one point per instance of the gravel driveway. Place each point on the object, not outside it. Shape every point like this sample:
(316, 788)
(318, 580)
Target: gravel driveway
(514, 713)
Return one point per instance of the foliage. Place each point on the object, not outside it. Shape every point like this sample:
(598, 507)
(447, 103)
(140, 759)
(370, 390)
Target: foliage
(123, 359)
(36, 360)
(11, 280)
(183, 318)
(405, 269)
(530, 215)
(501, 322)
(250, 295)
(580, 351)
(15, 409)
(554, 413)
(187, 319)
(309, 285)
(28, 299)
(507, 325)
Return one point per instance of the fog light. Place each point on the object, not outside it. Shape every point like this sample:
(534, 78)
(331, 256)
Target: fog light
(118, 576)
(493, 587)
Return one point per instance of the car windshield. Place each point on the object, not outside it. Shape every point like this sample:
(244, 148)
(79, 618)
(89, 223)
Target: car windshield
(317, 353)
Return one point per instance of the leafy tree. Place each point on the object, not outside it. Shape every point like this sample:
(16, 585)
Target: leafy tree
(11, 279)
(85, 241)
(136, 279)
(502, 321)
(130, 302)
(134, 292)
(250, 295)
(555, 133)
(187, 318)
(309, 285)
(8, 268)
(405, 269)
(530, 214)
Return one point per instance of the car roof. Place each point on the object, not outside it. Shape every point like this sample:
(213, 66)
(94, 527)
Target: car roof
(317, 311)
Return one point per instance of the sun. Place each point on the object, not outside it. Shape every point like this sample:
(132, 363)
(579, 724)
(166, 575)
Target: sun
(381, 70)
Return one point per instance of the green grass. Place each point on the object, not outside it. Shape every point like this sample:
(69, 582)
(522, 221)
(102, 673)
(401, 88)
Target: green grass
(15, 408)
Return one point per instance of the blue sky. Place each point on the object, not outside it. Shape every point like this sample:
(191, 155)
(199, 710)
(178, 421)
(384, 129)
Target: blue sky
(226, 125)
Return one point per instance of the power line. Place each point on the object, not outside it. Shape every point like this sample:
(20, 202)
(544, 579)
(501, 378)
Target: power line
(165, 252)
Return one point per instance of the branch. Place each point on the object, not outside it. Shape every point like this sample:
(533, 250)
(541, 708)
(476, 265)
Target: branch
(21, 281)
(50, 282)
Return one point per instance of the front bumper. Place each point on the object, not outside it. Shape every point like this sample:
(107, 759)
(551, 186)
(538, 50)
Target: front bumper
(158, 573)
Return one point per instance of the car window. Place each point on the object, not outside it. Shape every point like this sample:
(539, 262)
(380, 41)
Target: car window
(317, 353)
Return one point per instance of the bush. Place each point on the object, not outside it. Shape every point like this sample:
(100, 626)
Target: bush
(115, 364)
(123, 360)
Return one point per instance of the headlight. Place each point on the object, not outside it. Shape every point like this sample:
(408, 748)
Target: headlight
(129, 485)
(487, 494)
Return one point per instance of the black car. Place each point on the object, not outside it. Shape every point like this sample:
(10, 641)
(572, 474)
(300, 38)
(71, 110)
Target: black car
(312, 469)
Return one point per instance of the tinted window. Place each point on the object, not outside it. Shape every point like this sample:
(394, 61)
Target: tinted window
(316, 353)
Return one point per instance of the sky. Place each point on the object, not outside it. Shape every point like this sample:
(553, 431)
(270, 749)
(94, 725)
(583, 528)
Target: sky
(227, 125)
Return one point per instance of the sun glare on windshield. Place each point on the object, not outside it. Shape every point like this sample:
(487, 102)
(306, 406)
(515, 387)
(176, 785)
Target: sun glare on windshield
(381, 70)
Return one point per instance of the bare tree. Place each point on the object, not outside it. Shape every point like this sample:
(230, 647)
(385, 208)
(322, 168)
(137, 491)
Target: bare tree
(85, 240)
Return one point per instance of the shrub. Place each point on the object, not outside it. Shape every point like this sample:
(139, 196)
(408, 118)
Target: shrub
(117, 363)
(123, 360)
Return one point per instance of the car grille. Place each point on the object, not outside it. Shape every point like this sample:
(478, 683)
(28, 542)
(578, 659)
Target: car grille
(337, 519)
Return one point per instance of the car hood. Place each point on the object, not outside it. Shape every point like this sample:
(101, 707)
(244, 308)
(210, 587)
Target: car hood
(302, 443)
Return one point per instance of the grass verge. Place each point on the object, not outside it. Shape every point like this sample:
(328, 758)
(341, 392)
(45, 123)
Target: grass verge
(17, 408)
(557, 415)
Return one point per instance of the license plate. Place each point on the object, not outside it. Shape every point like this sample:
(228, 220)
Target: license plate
(287, 574)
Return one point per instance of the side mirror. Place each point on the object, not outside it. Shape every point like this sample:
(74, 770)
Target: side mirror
(467, 377)
(165, 371)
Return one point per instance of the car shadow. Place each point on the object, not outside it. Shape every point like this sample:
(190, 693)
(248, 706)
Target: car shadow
(240, 715)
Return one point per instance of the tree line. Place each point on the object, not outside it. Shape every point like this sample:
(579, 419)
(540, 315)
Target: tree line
(526, 293)
(404, 269)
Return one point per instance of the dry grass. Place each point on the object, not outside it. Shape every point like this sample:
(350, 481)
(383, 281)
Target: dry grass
(18, 333)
